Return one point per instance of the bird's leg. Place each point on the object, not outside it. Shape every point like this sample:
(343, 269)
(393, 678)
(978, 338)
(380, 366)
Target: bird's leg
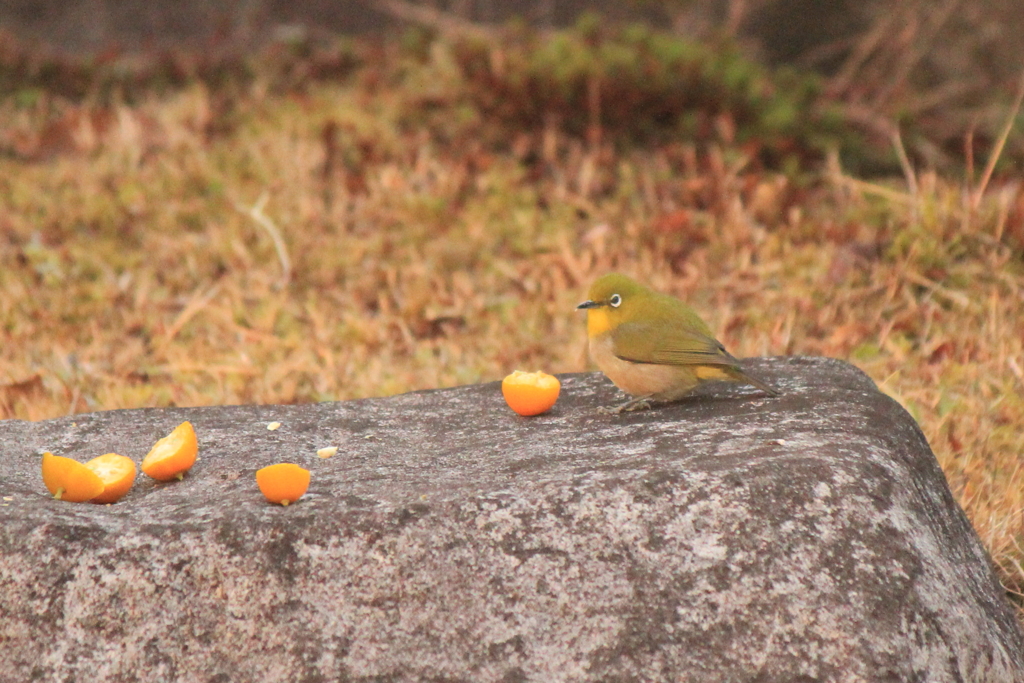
(641, 403)
(638, 403)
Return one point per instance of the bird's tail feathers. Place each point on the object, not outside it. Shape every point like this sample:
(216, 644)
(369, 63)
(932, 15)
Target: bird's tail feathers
(741, 376)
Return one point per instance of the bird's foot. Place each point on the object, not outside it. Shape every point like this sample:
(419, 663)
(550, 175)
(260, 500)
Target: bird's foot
(640, 403)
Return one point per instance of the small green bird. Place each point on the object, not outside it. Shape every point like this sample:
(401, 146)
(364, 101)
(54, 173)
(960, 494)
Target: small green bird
(653, 346)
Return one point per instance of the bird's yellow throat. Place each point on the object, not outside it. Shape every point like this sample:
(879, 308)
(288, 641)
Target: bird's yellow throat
(598, 322)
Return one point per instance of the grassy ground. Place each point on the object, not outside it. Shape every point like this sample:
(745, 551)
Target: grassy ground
(252, 244)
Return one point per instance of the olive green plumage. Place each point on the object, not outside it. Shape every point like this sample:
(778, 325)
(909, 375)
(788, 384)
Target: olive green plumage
(652, 345)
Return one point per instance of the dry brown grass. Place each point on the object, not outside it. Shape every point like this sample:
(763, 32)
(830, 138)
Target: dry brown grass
(289, 249)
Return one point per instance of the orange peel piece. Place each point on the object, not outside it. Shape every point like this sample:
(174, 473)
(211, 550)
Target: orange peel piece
(69, 479)
(530, 393)
(117, 473)
(283, 483)
(172, 455)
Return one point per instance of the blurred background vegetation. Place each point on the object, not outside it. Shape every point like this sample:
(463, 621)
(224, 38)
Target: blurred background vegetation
(270, 202)
(937, 70)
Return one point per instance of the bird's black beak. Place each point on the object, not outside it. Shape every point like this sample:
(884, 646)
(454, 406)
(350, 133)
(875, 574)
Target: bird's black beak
(590, 304)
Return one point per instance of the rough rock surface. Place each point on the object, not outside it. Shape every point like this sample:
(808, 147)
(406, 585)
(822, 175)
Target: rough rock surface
(728, 537)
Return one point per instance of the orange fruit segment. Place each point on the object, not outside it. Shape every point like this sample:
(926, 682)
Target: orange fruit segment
(530, 393)
(117, 474)
(172, 455)
(69, 479)
(283, 483)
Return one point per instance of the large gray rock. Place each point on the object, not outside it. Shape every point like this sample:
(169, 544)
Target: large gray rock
(728, 537)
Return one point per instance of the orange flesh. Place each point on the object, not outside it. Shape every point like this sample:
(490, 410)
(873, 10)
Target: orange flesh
(172, 455)
(117, 473)
(69, 479)
(283, 483)
(530, 393)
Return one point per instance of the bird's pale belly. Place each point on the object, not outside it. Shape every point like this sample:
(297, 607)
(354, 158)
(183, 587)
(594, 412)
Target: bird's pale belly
(664, 382)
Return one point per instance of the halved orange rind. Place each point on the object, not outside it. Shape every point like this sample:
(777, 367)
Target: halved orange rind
(69, 479)
(172, 455)
(117, 474)
(530, 393)
(283, 483)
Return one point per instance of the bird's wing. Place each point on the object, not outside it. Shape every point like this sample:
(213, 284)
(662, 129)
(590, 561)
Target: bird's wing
(663, 343)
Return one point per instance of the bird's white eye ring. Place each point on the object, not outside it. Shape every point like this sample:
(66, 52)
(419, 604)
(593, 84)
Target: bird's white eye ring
(615, 300)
